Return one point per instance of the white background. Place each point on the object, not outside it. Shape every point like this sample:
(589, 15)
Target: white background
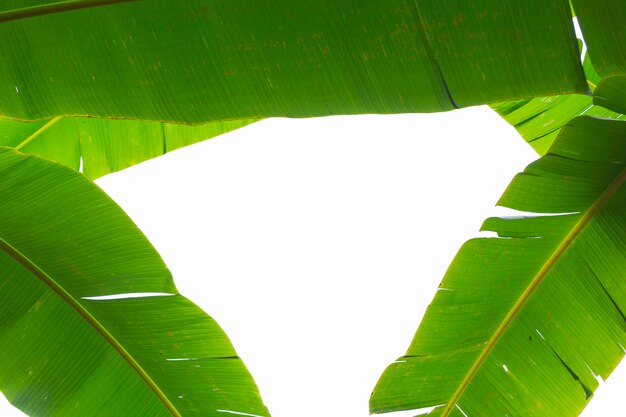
(317, 244)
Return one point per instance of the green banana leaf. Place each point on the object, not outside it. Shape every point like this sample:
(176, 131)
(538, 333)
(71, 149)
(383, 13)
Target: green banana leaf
(602, 23)
(523, 323)
(538, 120)
(195, 61)
(98, 147)
(69, 351)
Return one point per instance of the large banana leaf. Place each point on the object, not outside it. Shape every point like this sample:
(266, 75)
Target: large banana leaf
(98, 147)
(67, 351)
(524, 322)
(195, 61)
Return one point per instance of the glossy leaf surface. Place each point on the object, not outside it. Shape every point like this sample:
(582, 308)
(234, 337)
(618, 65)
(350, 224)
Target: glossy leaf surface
(195, 61)
(523, 322)
(69, 352)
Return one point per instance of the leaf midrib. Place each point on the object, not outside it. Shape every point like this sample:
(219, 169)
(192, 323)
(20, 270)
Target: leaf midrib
(56, 7)
(38, 132)
(541, 274)
(89, 318)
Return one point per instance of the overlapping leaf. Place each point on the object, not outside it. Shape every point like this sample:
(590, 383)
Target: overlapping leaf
(602, 23)
(195, 61)
(67, 351)
(557, 281)
(538, 120)
(524, 322)
(98, 147)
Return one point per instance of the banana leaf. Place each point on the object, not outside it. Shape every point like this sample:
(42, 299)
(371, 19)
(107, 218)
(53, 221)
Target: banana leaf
(602, 23)
(524, 322)
(91, 323)
(538, 120)
(195, 61)
(98, 147)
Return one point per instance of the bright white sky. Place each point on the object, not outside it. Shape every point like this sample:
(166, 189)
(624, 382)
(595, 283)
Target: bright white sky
(317, 244)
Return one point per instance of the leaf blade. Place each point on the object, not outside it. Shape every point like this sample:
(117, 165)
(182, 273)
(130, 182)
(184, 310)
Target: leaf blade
(601, 23)
(71, 240)
(508, 318)
(322, 58)
(99, 146)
